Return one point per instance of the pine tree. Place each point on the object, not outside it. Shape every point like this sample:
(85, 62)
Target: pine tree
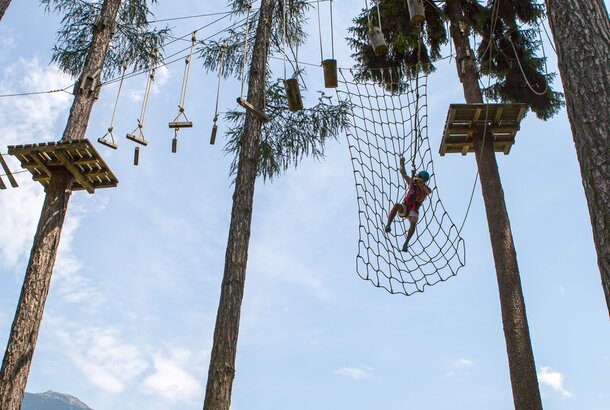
(259, 150)
(507, 54)
(585, 73)
(86, 48)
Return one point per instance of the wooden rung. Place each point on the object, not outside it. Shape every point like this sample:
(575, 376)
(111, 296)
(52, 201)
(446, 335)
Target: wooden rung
(107, 143)
(261, 115)
(2, 186)
(137, 140)
(181, 124)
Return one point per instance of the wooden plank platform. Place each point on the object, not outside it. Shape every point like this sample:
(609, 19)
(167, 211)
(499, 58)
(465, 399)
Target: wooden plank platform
(79, 157)
(467, 121)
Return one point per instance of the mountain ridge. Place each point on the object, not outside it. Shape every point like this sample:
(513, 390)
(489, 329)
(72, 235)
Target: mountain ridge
(51, 400)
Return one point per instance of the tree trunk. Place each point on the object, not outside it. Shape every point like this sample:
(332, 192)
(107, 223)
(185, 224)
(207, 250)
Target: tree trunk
(585, 74)
(222, 361)
(3, 6)
(26, 324)
(526, 395)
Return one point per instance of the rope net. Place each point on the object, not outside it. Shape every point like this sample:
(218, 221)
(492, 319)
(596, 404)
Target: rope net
(389, 120)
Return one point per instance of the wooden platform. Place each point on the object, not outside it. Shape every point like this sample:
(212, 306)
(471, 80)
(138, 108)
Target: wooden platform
(79, 157)
(467, 121)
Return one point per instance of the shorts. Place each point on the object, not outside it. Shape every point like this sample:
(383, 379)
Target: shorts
(403, 213)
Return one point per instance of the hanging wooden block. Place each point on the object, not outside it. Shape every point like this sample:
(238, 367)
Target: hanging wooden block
(136, 156)
(295, 102)
(416, 11)
(377, 41)
(174, 144)
(214, 131)
(330, 73)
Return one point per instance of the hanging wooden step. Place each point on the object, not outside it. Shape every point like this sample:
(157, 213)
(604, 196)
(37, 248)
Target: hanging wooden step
(465, 122)
(79, 157)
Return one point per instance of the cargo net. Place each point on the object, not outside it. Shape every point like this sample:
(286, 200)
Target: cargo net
(389, 122)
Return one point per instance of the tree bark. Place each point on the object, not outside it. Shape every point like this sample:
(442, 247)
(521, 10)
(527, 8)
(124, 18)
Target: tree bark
(585, 74)
(3, 6)
(524, 382)
(28, 317)
(222, 362)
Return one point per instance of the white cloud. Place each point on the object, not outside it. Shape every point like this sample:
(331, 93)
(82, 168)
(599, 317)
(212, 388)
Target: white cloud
(71, 286)
(554, 380)
(30, 119)
(462, 363)
(23, 120)
(162, 76)
(460, 366)
(354, 373)
(105, 360)
(171, 380)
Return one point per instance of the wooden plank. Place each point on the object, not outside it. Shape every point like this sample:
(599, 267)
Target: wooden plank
(74, 171)
(41, 166)
(477, 114)
(8, 173)
(2, 185)
(261, 115)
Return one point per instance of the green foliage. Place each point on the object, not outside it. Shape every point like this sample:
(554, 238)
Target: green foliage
(500, 26)
(403, 38)
(234, 39)
(288, 137)
(132, 42)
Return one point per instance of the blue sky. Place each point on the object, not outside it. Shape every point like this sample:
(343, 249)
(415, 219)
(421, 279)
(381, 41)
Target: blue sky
(130, 315)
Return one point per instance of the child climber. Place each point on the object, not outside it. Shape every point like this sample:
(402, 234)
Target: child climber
(417, 192)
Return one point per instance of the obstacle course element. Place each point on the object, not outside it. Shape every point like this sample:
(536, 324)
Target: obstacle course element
(8, 173)
(500, 122)
(78, 157)
(329, 64)
(387, 125)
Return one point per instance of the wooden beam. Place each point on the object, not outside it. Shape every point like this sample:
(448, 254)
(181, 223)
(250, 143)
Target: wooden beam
(8, 173)
(41, 165)
(74, 171)
(261, 115)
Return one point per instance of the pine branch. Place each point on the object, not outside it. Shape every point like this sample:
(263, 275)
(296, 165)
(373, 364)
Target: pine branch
(288, 137)
(132, 43)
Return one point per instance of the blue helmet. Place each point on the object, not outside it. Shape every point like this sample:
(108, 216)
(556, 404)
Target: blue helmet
(424, 175)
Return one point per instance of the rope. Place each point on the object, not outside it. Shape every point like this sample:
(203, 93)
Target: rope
(546, 88)
(284, 34)
(116, 101)
(185, 78)
(220, 71)
(332, 30)
(320, 30)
